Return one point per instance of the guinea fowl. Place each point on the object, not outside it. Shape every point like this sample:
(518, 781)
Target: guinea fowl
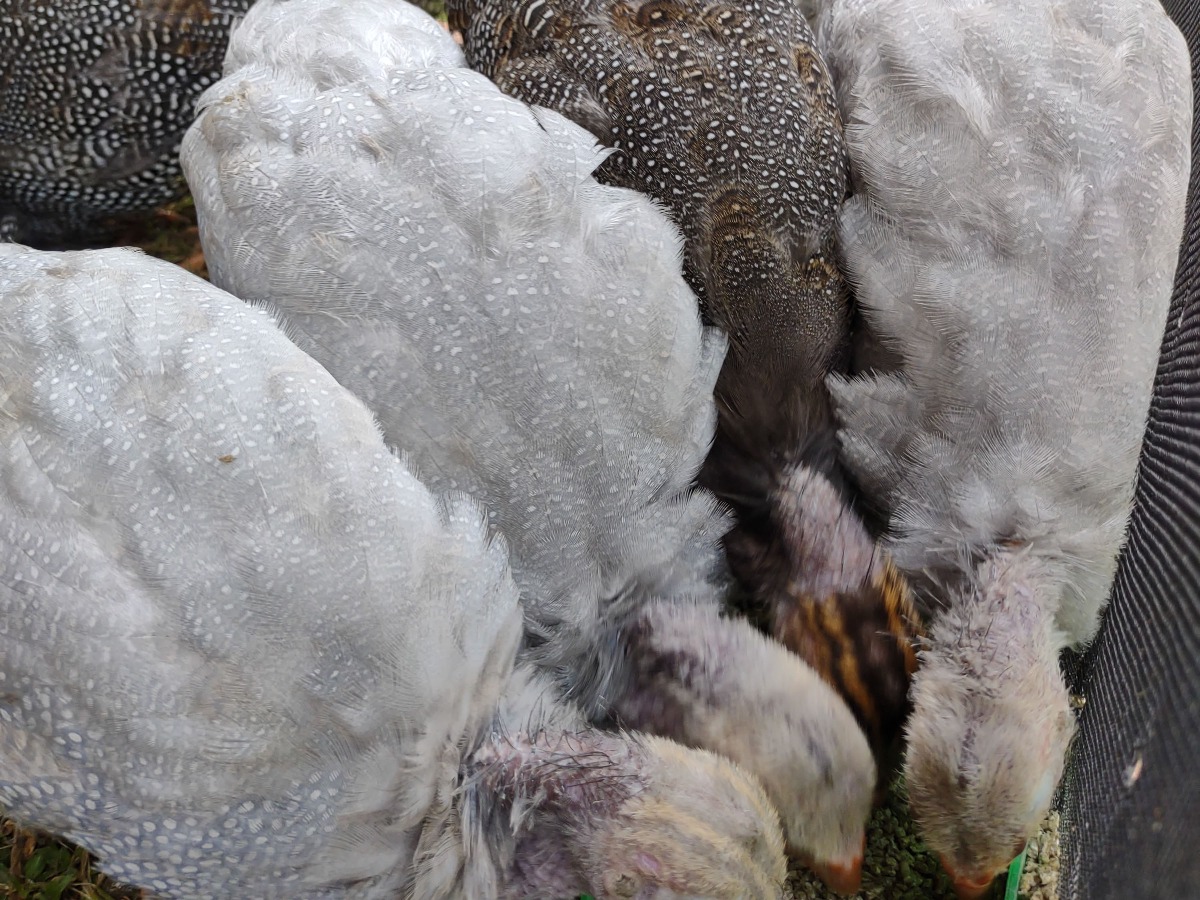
(725, 114)
(94, 99)
(1019, 172)
(526, 334)
(248, 654)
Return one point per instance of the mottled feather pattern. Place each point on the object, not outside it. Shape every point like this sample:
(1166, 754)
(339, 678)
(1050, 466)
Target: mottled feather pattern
(849, 613)
(248, 653)
(997, 422)
(1018, 177)
(861, 645)
(725, 114)
(94, 99)
(527, 335)
(527, 393)
(221, 611)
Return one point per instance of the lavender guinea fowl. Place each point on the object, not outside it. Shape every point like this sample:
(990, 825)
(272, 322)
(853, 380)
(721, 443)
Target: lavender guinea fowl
(247, 653)
(527, 335)
(94, 99)
(1019, 172)
(725, 114)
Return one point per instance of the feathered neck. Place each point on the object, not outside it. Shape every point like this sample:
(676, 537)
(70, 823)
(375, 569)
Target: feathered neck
(1003, 617)
(769, 425)
(518, 799)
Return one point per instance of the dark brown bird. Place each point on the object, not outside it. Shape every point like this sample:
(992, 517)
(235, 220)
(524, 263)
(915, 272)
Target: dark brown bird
(726, 115)
(94, 99)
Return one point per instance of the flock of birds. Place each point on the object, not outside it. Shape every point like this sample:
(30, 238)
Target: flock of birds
(607, 446)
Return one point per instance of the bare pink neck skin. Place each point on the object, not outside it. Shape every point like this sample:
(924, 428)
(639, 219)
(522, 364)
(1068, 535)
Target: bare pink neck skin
(552, 791)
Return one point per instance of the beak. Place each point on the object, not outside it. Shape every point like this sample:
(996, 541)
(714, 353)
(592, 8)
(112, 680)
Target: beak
(842, 876)
(969, 887)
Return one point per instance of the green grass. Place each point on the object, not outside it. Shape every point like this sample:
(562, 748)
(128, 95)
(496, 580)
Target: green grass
(436, 8)
(37, 867)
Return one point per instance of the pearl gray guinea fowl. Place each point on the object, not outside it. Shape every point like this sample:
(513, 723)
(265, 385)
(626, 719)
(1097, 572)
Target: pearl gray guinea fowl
(1019, 173)
(725, 114)
(247, 653)
(94, 99)
(526, 334)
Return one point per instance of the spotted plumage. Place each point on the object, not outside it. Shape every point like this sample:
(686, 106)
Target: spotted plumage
(94, 98)
(1020, 171)
(524, 334)
(247, 653)
(725, 114)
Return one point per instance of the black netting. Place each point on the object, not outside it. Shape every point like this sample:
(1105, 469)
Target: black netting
(1131, 818)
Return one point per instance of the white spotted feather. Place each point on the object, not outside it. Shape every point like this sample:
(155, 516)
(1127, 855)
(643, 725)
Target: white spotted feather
(526, 334)
(237, 630)
(1020, 176)
(246, 653)
(1019, 173)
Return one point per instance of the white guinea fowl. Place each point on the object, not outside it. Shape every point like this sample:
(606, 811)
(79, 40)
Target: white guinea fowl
(1019, 172)
(526, 334)
(246, 653)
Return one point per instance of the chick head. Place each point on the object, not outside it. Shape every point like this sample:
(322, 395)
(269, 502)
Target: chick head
(990, 728)
(625, 815)
(697, 825)
(844, 607)
(715, 682)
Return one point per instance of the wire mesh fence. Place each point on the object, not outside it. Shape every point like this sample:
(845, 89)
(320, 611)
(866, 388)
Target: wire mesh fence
(1131, 801)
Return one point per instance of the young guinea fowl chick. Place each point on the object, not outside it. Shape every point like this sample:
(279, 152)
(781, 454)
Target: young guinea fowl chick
(526, 334)
(246, 653)
(1019, 176)
(94, 98)
(725, 114)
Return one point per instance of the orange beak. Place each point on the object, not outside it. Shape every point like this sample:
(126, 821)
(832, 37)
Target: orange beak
(969, 887)
(842, 876)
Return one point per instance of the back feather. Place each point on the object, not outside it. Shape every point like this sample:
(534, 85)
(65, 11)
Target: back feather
(1019, 173)
(524, 332)
(245, 650)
